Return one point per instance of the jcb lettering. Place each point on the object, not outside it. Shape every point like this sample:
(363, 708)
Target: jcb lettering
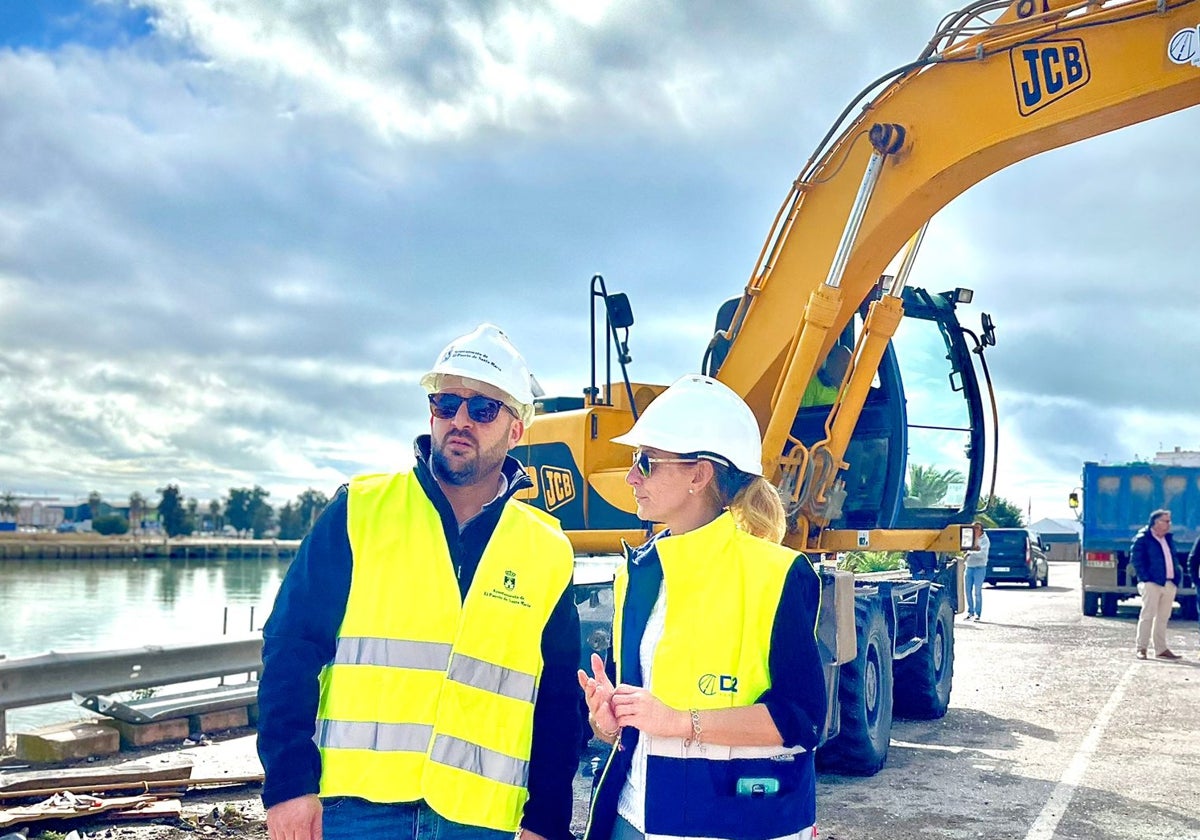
(1046, 72)
(558, 487)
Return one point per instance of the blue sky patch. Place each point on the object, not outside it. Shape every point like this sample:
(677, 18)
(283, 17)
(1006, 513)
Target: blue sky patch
(48, 25)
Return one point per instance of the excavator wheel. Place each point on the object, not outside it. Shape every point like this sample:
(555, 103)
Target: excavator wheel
(924, 678)
(865, 697)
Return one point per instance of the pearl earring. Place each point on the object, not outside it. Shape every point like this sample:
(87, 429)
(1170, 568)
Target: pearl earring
(691, 490)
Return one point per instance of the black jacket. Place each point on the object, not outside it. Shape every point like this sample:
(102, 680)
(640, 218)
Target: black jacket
(1193, 563)
(1147, 558)
(300, 637)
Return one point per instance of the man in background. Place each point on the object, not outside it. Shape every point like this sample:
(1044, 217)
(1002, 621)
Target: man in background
(1152, 555)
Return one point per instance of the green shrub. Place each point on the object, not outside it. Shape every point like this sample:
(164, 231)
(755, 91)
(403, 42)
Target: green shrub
(113, 523)
(872, 561)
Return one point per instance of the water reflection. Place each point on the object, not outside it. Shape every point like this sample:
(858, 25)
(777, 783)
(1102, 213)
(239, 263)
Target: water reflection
(64, 605)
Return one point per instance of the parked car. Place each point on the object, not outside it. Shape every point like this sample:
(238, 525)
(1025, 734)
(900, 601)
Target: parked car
(1017, 555)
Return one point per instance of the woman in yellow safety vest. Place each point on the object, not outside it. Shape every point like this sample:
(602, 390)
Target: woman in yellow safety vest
(720, 696)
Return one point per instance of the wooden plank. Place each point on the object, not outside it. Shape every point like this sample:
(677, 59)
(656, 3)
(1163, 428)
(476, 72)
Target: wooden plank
(65, 806)
(153, 810)
(130, 772)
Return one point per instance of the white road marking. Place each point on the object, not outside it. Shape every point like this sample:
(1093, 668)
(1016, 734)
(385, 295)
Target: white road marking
(1056, 806)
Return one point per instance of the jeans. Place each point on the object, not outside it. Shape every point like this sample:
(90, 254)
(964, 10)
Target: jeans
(350, 818)
(974, 581)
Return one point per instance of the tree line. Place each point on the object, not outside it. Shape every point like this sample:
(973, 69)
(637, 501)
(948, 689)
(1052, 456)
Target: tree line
(245, 509)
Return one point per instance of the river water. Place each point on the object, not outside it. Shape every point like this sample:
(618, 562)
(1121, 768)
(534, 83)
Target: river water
(76, 605)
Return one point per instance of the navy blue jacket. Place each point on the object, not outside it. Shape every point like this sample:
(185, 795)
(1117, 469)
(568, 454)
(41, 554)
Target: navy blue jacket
(796, 699)
(1147, 558)
(300, 637)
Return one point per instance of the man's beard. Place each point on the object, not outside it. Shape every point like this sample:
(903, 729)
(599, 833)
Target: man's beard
(485, 462)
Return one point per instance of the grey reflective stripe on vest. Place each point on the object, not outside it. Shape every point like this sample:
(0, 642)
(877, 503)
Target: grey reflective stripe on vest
(392, 653)
(370, 735)
(481, 761)
(493, 678)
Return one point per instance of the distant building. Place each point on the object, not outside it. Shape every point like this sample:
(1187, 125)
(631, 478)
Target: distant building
(1178, 458)
(1062, 538)
(38, 512)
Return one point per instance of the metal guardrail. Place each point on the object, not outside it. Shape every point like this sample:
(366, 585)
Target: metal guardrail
(53, 677)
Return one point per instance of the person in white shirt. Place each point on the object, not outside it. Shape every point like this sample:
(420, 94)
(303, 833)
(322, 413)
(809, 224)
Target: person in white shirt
(976, 562)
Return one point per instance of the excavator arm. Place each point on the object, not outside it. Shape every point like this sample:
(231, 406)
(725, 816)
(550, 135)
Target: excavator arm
(983, 95)
(999, 82)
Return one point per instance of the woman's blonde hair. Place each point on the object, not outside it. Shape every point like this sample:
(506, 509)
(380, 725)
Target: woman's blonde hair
(753, 501)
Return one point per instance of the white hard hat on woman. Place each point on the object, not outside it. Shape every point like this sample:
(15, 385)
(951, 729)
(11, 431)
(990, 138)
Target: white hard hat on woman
(701, 419)
(701, 415)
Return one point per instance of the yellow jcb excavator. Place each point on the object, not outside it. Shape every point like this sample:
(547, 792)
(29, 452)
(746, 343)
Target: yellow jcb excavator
(892, 463)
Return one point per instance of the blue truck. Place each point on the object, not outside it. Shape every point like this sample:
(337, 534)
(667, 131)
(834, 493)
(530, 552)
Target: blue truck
(1117, 501)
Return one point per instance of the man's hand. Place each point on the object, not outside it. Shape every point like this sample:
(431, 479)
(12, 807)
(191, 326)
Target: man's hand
(598, 691)
(295, 819)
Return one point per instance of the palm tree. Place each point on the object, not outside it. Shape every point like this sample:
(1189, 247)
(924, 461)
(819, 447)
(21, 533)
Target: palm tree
(137, 509)
(927, 486)
(93, 503)
(9, 508)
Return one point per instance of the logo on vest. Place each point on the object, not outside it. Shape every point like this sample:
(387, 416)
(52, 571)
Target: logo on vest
(711, 684)
(509, 593)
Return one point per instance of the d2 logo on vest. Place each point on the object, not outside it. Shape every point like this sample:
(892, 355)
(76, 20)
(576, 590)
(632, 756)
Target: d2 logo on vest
(1046, 71)
(710, 684)
(558, 487)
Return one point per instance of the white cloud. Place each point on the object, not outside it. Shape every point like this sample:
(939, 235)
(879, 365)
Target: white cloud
(228, 250)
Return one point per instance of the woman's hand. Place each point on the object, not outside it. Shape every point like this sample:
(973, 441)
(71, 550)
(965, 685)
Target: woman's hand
(598, 692)
(637, 707)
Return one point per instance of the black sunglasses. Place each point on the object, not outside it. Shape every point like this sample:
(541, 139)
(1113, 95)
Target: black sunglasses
(480, 409)
(644, 462)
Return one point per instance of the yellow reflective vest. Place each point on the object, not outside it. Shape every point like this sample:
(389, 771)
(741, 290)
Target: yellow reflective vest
(431, 696)
(721, 588)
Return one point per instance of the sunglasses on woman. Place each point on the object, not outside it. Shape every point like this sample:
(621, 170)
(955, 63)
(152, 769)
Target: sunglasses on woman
(644, 462)
(480, 409)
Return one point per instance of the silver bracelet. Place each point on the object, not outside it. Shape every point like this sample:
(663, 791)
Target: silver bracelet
(696, 730)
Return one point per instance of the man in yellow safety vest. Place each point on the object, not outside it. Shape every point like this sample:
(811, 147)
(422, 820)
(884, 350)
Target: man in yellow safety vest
(419, 663)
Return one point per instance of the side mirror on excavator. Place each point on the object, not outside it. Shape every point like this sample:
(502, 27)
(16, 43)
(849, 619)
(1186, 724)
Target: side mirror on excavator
(988, 336)
(620, 312)
(620, 317)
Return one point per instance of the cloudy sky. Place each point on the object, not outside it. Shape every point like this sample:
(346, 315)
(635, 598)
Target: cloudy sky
(233, 233)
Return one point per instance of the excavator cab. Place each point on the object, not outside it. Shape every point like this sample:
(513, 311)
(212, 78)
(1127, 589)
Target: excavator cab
(916, 458)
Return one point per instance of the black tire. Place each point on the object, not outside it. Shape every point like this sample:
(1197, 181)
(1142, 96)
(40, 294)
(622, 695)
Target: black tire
(1187, 608)
(924, 679)
(1033, 581)
(1108, 604)
(1091, 603)
(865, 699)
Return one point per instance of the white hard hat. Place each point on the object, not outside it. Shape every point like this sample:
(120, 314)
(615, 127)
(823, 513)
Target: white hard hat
(699, 414)
(486, 355)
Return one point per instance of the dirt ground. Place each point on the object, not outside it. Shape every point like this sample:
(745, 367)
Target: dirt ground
(230, 811)
(1055, 732)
